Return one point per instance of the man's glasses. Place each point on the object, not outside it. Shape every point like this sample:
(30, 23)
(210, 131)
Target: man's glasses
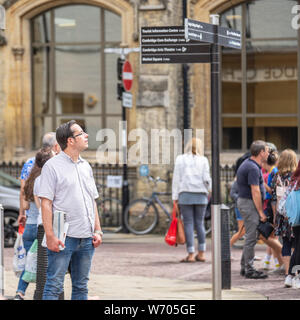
(79, 134)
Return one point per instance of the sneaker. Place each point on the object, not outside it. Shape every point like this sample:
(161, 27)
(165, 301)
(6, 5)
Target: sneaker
(267, 265)
(279, 269)
(255, 274)
(296, 283)
(288, 282)
(18, 297)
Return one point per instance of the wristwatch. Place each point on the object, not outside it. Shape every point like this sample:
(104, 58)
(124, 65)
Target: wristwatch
(99, 232)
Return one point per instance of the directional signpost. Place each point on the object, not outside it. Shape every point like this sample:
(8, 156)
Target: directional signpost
(197, 42)
(168, 45)
(229, 38)
(200, 31)
(216, 35)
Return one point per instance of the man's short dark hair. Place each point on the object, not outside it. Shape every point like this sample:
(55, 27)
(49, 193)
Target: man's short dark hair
(63, 132)
(256, 147)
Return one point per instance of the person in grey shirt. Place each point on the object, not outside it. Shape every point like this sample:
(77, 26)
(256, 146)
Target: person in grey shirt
(67, 185)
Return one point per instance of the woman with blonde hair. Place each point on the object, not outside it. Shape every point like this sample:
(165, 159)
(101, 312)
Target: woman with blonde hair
(287, 165)
(190, 187)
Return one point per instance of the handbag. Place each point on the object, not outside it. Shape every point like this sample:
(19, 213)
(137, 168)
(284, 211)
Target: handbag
(265, 229)
(180, 237)
(207, 215)
(171, 234)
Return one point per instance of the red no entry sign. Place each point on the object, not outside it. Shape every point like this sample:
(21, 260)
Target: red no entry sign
(127, 75)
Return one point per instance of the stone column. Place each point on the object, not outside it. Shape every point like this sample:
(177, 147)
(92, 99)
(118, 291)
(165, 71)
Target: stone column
(18, 53)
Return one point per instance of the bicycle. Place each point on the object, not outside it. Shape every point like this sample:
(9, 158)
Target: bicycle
(141, 215)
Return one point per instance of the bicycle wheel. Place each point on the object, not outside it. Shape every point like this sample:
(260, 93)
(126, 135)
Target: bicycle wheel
(110, 211)
(141, 216)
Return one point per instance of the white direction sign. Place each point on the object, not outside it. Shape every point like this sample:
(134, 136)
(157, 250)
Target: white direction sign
(127, 100)
(114, 181)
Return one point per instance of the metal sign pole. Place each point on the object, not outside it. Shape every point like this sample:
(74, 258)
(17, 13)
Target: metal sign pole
(1, 250)
(215, 150)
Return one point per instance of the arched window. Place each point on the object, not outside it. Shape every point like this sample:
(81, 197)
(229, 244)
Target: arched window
(259, 83)
(72, 76)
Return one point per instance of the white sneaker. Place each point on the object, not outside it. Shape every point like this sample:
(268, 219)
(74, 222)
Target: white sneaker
(267, 265)
(288, 282)
(296, 283)
(279, 269)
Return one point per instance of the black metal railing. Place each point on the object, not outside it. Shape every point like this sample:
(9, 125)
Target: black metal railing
(102, 171)
(100, 174)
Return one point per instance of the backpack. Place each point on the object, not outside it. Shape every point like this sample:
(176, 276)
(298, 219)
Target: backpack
(292, 207)
(281, 189)
(280, 205)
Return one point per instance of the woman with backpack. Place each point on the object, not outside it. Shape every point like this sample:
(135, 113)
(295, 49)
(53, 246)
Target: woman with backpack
(287, 165)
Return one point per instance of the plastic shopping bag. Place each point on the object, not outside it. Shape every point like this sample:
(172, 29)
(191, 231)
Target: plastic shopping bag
(171, 235)
(31, 263)
(19, 256)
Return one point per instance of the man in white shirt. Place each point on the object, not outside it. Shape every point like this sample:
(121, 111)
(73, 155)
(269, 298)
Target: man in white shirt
(67, 185)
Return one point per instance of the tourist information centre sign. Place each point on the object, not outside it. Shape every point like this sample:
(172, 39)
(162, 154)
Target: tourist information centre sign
(168, 45)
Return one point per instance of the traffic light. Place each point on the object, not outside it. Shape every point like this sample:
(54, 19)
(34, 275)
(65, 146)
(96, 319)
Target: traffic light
(120, 90)
(120, 63)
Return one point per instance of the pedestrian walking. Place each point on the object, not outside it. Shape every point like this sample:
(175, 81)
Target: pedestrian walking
(250, 204)
(292, 280)
(190, 188)
(30, 231)
(67, 185)
(270, 167)
(287, 165)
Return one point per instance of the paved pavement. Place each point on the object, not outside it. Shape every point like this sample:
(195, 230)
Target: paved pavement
(129, 267)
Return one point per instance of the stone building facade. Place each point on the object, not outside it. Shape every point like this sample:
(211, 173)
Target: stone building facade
(157, 88)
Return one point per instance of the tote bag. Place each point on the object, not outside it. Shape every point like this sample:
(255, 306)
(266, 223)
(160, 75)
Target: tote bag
(180, 237)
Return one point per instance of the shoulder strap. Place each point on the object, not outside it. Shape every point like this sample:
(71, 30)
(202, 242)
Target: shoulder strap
(278, 177)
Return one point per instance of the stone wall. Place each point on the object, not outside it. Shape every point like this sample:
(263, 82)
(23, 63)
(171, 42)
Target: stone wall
(2, 96)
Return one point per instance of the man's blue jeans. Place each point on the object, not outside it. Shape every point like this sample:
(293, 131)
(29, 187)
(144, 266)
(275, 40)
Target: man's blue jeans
(29, 235)
(78, 253)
